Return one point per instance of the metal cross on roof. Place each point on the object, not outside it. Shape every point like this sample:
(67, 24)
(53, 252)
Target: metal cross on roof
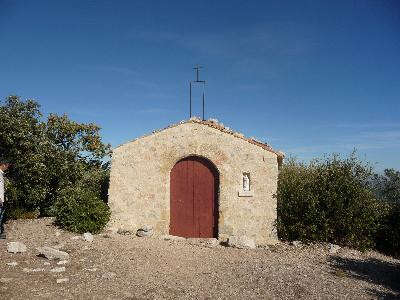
(197, 68)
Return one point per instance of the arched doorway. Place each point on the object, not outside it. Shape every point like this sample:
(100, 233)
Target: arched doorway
(194, 185)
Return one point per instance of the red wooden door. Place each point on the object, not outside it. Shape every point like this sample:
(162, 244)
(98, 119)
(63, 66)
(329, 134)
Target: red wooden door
(193, 210)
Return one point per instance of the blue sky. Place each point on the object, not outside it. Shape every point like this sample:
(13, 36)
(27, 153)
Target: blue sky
(308, 77)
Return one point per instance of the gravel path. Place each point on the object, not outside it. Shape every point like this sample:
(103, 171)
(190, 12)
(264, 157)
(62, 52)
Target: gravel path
(117, 266)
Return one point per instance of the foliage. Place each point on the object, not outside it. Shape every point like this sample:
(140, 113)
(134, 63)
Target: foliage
(23, 143)
(387, 186)
(47, 156)
(80, 209)
(80, 140)
(387, 189)
(388, 236)
(328, 200)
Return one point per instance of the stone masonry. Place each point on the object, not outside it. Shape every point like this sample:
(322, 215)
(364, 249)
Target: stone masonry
(139, 193)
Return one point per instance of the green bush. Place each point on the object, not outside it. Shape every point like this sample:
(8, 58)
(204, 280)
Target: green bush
(328, 200)
(80, 210)
(387, 189)
(388, 237)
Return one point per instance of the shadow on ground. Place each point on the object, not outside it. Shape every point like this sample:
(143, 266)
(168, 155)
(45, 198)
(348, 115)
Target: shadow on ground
(371, 270)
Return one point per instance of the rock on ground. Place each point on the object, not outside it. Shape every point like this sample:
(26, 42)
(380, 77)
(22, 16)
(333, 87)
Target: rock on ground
(88, 237)
(58, 270)
(62, 280)
(146, 228)
(145, 231)
(16, 247)
(296, 243)
(241, 242)
(51, 253)
(30, 270)
(333, 249)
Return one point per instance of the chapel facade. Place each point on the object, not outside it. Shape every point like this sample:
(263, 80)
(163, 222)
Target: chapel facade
(196, 179)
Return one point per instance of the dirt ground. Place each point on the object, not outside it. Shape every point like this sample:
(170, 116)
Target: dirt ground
(116, 266)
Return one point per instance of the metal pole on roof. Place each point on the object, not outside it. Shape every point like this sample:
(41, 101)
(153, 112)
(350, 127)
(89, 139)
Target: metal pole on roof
(203, 99)
(197, 69)
(190, 109)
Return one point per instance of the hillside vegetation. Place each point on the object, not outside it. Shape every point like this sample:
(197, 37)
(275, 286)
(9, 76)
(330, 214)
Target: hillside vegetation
(339, 200)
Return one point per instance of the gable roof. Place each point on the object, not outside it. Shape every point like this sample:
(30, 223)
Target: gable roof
(219, 126)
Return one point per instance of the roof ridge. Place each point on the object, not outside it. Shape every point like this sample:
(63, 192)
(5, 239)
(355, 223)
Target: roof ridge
(214, 123)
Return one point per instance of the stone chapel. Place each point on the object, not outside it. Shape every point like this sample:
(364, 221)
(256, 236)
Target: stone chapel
(196, 179)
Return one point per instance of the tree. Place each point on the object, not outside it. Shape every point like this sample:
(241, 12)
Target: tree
(48, 155)
(23, 143)
(387, 186)
(77, 155)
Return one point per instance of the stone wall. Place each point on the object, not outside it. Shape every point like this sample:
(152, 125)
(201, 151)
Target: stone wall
(139, 191)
